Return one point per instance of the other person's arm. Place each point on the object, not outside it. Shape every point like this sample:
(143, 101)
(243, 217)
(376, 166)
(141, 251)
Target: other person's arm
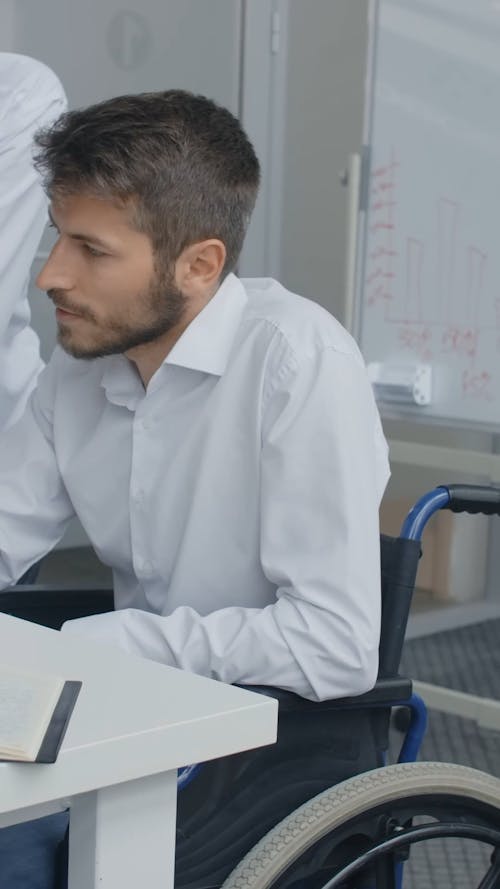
(31, 96)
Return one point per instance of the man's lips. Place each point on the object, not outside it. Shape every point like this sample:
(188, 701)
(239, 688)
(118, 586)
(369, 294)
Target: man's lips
(65, 313)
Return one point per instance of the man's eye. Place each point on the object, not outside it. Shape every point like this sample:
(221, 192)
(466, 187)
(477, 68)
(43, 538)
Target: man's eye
(93, 251)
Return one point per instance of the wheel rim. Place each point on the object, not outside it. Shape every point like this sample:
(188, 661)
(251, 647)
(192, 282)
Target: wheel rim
(410, 836)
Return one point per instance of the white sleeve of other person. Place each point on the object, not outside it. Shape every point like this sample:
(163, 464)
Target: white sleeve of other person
(31, 97)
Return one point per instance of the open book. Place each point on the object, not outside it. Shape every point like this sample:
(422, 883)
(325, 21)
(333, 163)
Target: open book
(34, 714)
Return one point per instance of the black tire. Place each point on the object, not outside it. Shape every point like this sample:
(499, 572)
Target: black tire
(409, 789)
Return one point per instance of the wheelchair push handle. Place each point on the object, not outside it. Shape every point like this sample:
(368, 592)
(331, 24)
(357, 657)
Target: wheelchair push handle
(475, 499)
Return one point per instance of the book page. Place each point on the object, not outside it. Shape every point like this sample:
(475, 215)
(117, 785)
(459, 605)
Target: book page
(27, 702)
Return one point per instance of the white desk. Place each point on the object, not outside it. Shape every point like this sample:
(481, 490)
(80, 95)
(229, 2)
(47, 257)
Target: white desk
(135, 722)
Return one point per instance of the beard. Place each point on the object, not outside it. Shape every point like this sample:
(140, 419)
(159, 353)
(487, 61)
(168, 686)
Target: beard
(155, 312)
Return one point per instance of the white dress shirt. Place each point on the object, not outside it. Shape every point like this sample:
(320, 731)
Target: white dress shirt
(236, 499)
(30, 97)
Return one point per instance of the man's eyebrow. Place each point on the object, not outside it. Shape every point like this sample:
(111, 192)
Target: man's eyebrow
(80, 236)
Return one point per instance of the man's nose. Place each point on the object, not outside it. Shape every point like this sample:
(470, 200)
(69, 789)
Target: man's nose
(55, 274)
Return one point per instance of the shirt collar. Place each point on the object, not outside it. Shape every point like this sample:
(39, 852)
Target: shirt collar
(206, 343)
(121, 382)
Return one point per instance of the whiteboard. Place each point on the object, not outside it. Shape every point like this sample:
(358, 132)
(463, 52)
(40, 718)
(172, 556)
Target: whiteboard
(429, 272)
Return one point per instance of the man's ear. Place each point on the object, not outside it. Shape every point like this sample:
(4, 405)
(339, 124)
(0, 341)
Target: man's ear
(199, 268)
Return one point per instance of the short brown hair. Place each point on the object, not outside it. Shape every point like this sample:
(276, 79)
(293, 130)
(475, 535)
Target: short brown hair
(182, 162)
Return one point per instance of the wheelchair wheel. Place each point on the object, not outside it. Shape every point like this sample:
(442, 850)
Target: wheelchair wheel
(358, 832)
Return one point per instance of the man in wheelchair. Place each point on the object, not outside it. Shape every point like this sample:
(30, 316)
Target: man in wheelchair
(219, 442)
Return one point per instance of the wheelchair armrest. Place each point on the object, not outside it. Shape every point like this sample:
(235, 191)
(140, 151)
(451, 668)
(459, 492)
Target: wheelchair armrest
(385, 693)
(51, 605)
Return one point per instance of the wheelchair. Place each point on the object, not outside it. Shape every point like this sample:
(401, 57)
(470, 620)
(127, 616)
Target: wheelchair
(323, 808)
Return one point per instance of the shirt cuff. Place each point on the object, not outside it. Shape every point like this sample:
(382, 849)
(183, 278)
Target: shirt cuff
(103, 628)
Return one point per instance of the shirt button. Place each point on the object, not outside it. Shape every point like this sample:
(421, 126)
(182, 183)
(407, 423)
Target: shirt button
(138, 496)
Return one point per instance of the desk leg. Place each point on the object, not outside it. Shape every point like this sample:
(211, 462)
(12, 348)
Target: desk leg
(123, 837)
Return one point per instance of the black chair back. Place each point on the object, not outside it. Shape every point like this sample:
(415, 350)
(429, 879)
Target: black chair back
(398, 565)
